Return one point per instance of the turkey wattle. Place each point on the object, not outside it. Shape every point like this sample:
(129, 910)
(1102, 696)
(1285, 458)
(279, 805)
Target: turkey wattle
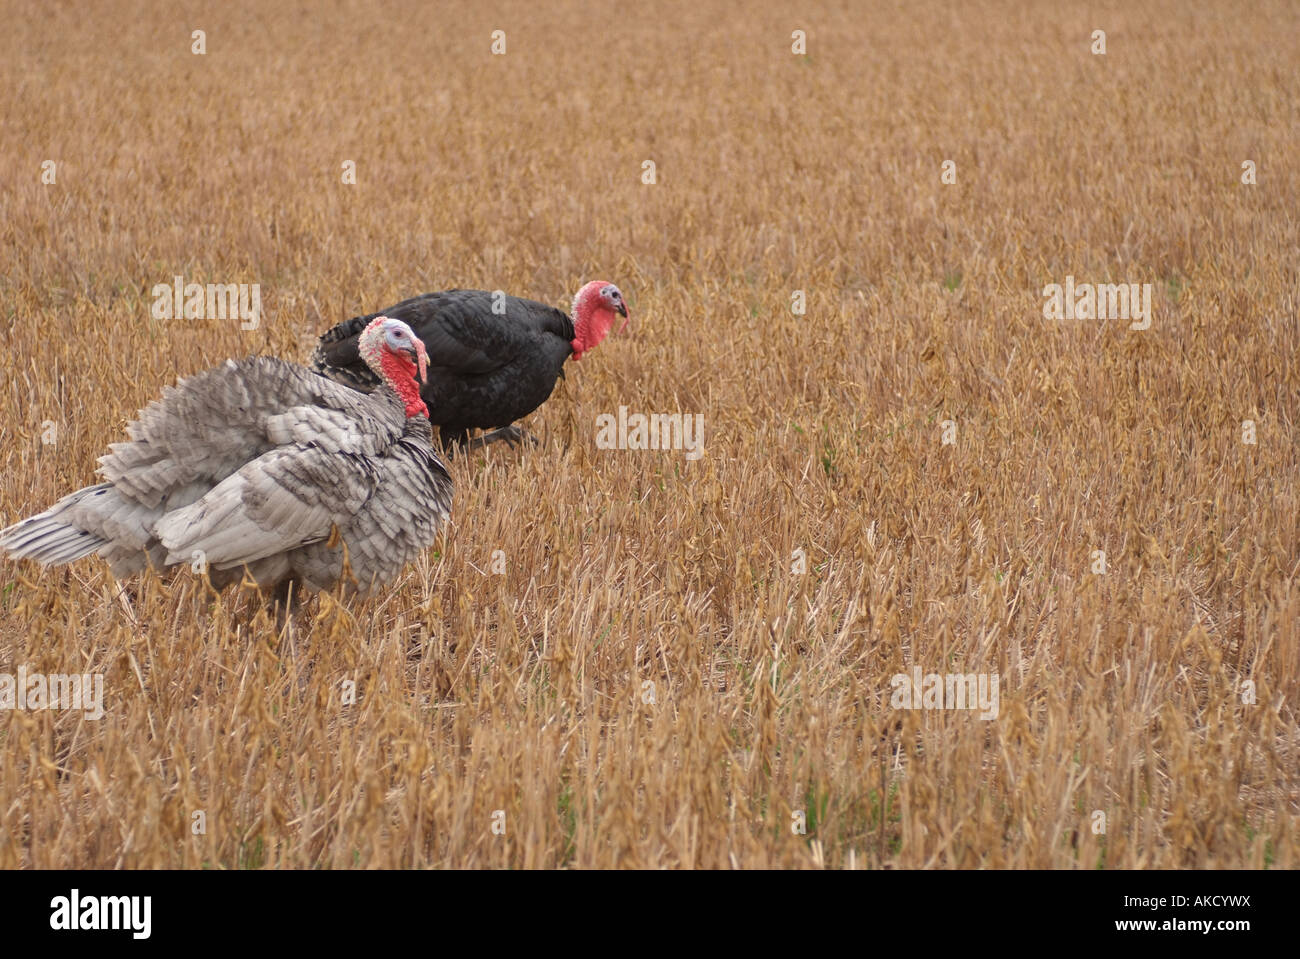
(489, 367)
(262, 464)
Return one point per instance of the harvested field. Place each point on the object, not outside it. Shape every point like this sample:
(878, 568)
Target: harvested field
(648, 658)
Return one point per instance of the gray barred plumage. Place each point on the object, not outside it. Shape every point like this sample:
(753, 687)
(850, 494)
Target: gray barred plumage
(261, 464)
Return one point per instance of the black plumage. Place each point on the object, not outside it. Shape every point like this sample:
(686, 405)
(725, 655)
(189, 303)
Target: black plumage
(486, 369)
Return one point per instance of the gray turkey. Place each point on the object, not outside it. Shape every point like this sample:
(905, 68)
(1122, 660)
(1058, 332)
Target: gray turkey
(496, 358)
(264, 465)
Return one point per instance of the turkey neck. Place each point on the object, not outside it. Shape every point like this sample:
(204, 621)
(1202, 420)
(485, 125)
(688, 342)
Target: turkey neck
(398, 373)
(590, 324)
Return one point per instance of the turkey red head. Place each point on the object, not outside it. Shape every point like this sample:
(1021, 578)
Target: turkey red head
(396, 355)
(594, 309)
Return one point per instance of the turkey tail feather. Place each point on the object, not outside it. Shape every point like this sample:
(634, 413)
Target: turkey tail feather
(48, 538)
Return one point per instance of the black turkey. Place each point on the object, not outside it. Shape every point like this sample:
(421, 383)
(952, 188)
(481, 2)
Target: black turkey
(493, 358)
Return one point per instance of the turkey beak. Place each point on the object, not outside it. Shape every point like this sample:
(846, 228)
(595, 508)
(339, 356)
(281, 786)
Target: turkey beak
(421, 358)
(622, 308)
